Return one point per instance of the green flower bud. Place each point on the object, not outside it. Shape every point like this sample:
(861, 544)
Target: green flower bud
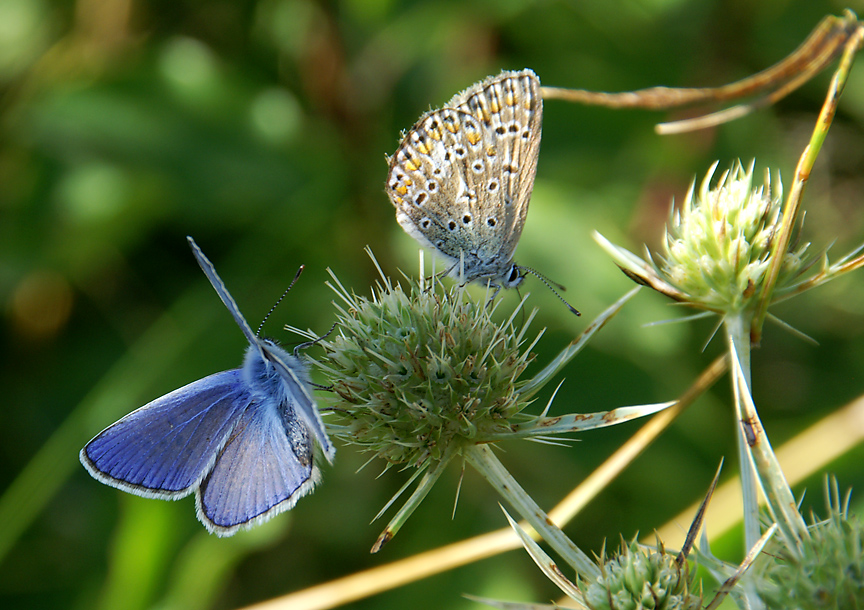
(718, 245)
(825, 570)
(639, 578)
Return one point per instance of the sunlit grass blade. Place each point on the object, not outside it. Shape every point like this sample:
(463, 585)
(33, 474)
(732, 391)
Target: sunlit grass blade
(496, 603)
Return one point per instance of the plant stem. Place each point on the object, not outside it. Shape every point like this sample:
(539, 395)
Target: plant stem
(758, 460)
(738, 336)
(486, 462)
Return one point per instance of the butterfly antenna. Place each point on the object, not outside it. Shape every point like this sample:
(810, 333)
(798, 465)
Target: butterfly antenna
(279, 300)
(549, 284)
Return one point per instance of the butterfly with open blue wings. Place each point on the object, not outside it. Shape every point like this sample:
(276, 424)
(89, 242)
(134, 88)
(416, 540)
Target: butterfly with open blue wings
(242, 440)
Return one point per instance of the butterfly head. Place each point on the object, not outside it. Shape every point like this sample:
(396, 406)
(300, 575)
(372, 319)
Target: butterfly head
(513, 277)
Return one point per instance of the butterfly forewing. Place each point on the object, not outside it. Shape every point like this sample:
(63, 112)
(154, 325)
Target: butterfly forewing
(428, 181)
(165, 448)
(219, 286)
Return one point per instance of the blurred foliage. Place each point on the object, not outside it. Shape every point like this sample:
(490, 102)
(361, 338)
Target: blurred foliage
(261, 128)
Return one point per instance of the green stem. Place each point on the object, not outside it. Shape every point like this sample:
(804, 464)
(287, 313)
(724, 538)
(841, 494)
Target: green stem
(430, 477)
(738, 336)
(486, 462)
(805, 166)
(758, 457)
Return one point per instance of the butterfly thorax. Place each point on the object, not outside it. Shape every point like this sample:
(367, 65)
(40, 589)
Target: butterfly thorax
(261, 375)
(503, 275)
(266, 384)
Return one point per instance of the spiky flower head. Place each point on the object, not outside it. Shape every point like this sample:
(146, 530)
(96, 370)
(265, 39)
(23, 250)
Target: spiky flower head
(717, 248)
(639, 578)
(823, 570)
(422, 375)
(420, 372)
(718, 245)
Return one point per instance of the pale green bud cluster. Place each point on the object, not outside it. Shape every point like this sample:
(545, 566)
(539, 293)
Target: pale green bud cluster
(639, 578)
(418, 374)
(826, 569)
(718, 245)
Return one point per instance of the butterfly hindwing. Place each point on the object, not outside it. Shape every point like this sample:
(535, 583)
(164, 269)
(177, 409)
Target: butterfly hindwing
(427, 181)
(510, 108)
(295, 380)
(263, 469)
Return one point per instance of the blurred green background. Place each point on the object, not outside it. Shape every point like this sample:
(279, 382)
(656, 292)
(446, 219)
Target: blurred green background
(261, 128)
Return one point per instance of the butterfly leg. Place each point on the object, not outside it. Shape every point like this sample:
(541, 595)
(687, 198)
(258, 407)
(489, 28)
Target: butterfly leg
(494, 294)
(308, 344)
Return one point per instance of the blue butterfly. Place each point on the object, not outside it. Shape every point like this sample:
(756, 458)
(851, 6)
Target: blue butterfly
(242, 440)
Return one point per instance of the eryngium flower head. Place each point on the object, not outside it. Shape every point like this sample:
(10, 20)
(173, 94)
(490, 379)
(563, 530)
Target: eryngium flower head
(640, 578)
(825, 570)
(420, 372)
(718, 246)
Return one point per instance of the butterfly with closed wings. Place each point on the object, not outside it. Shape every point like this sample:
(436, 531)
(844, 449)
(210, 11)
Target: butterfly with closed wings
(462, 177)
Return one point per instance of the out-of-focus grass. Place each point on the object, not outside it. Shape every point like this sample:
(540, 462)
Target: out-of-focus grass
(260, 128)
